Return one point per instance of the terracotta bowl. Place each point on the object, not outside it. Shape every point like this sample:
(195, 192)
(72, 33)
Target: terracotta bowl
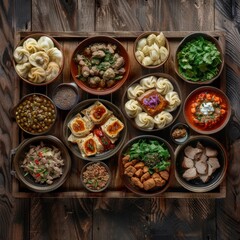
(27, 119)
(155, 191)
(95, 176)
(210, 182)
(193, 120)
(127, 97)
(28, 180)
(23, 73)
(183, 43)
(78, 109)
(95, 89)
(144, 36)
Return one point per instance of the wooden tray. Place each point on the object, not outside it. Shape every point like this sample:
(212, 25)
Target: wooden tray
(72, 188)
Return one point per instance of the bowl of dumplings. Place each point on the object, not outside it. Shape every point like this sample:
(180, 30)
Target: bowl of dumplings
(151, 49)
(38, 59)
(152, 102)
(94, 130)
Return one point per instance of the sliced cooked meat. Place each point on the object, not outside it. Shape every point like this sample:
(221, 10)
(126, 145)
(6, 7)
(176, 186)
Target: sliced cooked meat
(200, 146)
(190, 174)
(191, 152)
(213, 161)
(210, 152)
(164, 175)
(187, 162)
(210, 170)
(201, 167)
(203, 157)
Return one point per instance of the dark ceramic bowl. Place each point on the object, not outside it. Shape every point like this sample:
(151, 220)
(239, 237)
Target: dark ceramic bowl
(144, 36)
(24, 70)
(28, 180)
(156, 191)
(175, 113)
(66, 96)
(74, 147)
(184, 133)
(81, 48)
(35, 114)
(192, 37)
(192, 120)
(196, 184)
(95, 176)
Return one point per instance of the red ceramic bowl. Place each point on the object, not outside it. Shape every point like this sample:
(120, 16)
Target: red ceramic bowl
(25, 70)
(80, 49)
(195, 119)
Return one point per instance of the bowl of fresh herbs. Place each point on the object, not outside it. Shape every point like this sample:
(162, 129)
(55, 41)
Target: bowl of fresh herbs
(145, 164)
(199, 59)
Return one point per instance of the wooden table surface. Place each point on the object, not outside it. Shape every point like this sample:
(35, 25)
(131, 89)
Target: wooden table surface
(118, 218)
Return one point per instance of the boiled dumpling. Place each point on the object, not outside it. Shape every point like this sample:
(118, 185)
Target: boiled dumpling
(173, 99)
(160, 39)
(147, 61)
(132, 108)
(135, 91)
(139, 55)
(143, 120)
(23, 69)
(21, 55)
(55, 55)
(151, 39)
(31, 45)
(141, 43)
(52, 71)
(163, 53)
(45, 43)
(39, 59)
(162, 119)
(163, 86)
(148, 82)
(37, 75)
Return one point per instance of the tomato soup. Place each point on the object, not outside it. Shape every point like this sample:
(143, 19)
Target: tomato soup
(206, 109)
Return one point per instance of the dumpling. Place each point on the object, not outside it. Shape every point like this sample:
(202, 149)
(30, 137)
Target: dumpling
(139, 55)
(80, 126)
(31, 45)
(161, 40)
(132, 108)
(163, 86)
(37, 75)
(45, 43)
(112, 127)
(56, 56)
(21, 55)
(143, 120)
(163, 53)
(135, 91)
(148, 82)
(141, 43)
(147, 61)
(89, 145)
(97, 113)
(23, 69)
(173, 99)
(39, 59)
(162, 119)
(151, 39)
(52, 71)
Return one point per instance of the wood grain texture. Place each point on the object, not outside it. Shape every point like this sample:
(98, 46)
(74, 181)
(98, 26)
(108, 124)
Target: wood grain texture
(135, 219)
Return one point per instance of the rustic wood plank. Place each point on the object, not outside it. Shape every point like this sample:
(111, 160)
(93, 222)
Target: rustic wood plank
(63, 15)
(227, 17)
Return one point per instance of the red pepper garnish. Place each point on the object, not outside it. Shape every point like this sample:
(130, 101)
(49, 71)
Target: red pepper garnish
(37, 175)
(40, 154)
(36, 161)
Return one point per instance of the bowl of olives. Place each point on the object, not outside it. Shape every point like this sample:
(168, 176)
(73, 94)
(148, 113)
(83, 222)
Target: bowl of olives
(35, 113)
